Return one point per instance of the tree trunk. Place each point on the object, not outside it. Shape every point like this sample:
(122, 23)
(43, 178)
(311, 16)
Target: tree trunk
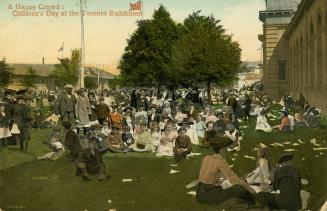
(209, 92)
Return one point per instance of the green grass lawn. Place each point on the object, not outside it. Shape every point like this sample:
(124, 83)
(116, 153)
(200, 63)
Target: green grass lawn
(28, 184)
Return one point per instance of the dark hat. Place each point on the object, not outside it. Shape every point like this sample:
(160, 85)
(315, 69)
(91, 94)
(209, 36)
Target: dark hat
(184, 122)
(21, 92)
(181, 129)
(220, 142)
(67, 124)
(20, 97)
(284, 112)
(140, 146)
(285, 157)
(128, 107)
(219, 112)
(311, 109)
(9, 91)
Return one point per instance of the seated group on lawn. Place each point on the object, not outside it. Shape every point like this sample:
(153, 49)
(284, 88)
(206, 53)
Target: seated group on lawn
(168, 124)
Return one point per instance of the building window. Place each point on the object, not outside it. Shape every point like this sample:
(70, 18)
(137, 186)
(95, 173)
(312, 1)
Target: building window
(282, 70)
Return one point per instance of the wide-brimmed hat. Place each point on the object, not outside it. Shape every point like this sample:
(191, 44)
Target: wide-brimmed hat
(68, 86)
(3, 103)
(311, 109)
(285, 157)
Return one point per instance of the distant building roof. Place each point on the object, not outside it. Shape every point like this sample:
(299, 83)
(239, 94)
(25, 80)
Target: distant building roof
(45, 69)
(41, 69)
(94, 71)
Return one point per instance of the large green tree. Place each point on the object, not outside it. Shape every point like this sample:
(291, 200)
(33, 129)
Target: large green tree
(91, 82)
(147, 57)
(205, 53)
(30, 78)
(67, 71)
(5, 73)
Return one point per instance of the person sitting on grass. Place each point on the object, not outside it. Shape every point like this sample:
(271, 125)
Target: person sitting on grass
(115, 142)
(183, 145)
(311, 118)
(127, 136)
(72, 141)
(91, 162)
(200, 126)
(260, 177)
(285, 123)
(287, 180)
(155, 134)
(115, 118)
(220, 124)
(262, 122)
(213, 168)
(168, 137)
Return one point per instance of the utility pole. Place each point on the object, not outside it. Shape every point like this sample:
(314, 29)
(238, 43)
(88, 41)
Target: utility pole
(82, 62)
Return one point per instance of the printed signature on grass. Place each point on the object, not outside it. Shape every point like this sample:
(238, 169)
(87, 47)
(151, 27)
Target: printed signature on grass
(53, 178)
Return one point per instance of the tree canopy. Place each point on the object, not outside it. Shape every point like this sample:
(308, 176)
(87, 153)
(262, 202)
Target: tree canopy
(5, 72)
(67, 71)
(147, 57)
(205, 53)
(162, 52)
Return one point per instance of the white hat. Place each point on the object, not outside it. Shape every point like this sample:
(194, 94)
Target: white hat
(68, 86)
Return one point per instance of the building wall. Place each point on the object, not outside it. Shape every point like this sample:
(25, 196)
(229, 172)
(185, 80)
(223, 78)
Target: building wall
(308, 54)
(274, 51)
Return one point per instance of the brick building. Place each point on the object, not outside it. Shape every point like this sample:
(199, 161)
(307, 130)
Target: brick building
(294, 49)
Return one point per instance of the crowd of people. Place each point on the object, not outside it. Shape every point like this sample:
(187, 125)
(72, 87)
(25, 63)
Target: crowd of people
(167, 123)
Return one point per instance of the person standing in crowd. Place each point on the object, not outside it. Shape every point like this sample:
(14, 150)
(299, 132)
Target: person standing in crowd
(93, 117)
(103, 111)
(129, 119)
(232, 102)
(4, 125)
(153, 116)
(246, 105)
(287, 180)
(115, 118)
(24, 119)
(65, 105)
(133, 102)
(213, 168)
(83, 110)
(301, 101)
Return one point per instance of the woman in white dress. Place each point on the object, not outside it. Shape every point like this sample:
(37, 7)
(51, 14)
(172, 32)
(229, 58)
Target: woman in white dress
(262, 122)
(4, 125)
(260, 178)
(167, 140)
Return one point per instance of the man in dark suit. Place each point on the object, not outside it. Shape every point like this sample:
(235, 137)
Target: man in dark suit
(24, 119)
(287, 180)
(153, 116)
(65, 105)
